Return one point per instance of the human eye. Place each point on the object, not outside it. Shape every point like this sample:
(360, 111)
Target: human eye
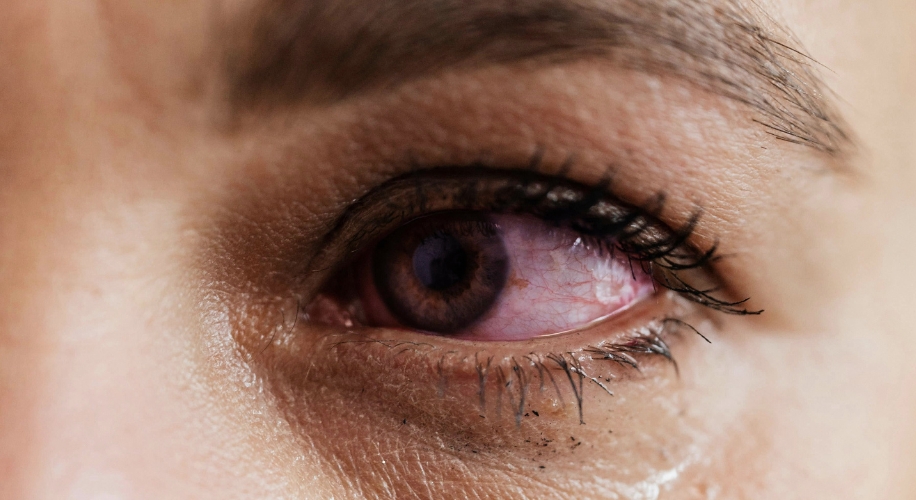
(497, 256)
(492, 284)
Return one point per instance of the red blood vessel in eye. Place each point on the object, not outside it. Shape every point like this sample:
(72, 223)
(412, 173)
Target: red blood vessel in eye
(496, 277)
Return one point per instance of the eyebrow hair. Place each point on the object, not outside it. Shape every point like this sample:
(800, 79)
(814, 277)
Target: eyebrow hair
(328, 50)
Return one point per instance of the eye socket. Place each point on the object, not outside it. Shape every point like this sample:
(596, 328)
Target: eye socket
(450, 283)
(483, 276)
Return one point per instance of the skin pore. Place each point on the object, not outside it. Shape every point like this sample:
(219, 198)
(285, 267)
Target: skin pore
(170, 171)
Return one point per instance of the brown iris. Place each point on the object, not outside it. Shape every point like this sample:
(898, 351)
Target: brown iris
(441, 273)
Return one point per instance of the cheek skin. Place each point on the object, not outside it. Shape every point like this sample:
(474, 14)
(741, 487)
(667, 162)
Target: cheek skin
(124, 401)
(394, 402)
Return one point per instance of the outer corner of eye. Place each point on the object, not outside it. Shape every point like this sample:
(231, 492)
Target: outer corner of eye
(483, 276)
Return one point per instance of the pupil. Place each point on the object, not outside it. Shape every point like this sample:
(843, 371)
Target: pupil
(440, 262)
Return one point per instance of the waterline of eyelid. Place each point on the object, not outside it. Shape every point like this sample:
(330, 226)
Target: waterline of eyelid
(591, 324)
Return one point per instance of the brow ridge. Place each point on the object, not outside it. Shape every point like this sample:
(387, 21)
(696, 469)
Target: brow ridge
(325, 51)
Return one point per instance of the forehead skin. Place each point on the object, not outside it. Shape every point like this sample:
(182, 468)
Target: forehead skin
(113, 131)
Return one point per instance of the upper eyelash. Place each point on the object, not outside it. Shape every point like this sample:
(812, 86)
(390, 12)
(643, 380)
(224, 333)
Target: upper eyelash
(634, 232)
(630, 232)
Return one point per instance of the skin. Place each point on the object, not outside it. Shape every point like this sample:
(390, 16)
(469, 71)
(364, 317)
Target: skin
(149, 246)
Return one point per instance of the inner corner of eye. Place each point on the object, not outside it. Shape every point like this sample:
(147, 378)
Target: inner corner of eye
(496, 277)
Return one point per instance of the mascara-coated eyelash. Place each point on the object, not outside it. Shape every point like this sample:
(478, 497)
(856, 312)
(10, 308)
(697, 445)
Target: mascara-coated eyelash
(635, 235)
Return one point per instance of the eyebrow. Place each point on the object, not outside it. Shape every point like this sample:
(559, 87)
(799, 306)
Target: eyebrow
(329, 50)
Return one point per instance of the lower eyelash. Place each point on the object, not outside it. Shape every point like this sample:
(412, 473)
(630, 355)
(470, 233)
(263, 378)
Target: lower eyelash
(513, 381)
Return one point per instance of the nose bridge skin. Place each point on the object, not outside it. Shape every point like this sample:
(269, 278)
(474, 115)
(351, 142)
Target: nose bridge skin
(79, 418)
(109, 386)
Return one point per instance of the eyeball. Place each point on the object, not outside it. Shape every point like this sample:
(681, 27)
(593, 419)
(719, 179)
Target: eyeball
(495, 277)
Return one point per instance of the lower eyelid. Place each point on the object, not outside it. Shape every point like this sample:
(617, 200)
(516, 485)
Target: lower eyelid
(408, 391)
(400, 372)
